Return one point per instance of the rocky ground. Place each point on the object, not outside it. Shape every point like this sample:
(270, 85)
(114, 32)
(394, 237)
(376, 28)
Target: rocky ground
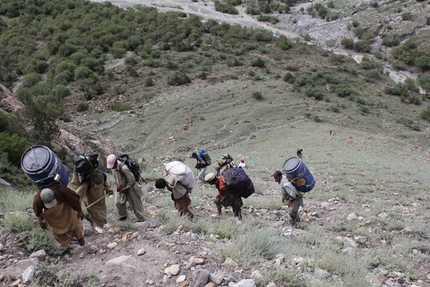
(139, 253)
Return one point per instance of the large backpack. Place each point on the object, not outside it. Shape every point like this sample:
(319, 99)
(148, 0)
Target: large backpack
(239, 181)
(133, 166)
(222, 161)
(204, 154)
(86, 162)
(184, 174)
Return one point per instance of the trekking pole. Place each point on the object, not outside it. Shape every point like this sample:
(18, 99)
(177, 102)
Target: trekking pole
(85, 208)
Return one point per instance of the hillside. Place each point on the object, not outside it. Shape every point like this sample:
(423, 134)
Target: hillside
(366, 223)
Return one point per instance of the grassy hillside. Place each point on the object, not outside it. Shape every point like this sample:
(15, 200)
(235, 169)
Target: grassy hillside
(253, 97)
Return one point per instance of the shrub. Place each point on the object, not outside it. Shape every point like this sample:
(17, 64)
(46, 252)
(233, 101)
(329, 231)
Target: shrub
(257, 62)
(83, 73)
(425, 114)
(225, 8)
(257, 95)
(31, 79)
(289, 78)
(13, 146)
(374, 4)
(411, 86)
(398, 90)
(343, 91)
(407, 16)
(178, 79)
(347, 43)
(252, 11)
(119, 107)
(149, 82)
(362, 47)
(82, 107)
(312, 92)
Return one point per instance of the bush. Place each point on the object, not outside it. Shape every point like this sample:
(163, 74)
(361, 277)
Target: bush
(119, 107)
(149, 82)
(31, 80)
(425, 114)
(225, 8)
(347, 43)
(178, 79)
(289, 78)
(13, 146)
(257, 62)
(343, 91)
(257, 95)
(82, 107)
(407, 16)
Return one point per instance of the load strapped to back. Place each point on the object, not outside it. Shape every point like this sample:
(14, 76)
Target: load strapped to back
(132, 165)
(203, 153)
(85, 163)
(224, 162)
(298, 174)
(239, 181)
(184, 174)
(43, 167)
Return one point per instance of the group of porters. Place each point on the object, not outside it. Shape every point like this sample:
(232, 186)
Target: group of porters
(45, 169)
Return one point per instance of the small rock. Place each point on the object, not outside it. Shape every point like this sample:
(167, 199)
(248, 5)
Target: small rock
(216, 277)
(256, 274)
(118, 260)
(352, 216)
(1, 277)
(93, 249)
(27, 275)
(245, 283)
(230, 262)
(112, 245)
(181, 279)
(199, 260)
(16, 282)
(38, 253)
(82, 255)
(173, 270)
(321, 273)
(210, 284)
(383, 215)
(141, 252)
(201, 278)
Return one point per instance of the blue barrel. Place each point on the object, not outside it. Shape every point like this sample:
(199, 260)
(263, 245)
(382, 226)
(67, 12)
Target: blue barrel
(298, 174)
(43, 167)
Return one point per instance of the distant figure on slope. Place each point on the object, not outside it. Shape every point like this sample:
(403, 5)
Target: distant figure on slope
(291, 195)
(203, 161)
(242, 164)
(180, 180)
(58, 207)
(299, 153)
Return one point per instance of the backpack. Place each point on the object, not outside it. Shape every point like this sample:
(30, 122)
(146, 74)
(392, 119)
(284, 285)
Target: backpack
(132, 165)
(184, 174)
(222, 161)
(203, 153)
(86, 162)
(238, 181)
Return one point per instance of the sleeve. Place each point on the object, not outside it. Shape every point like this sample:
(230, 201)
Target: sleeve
(129, 175)
(37, 205)
(69, 196)
(82, 190)
(107, 186)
